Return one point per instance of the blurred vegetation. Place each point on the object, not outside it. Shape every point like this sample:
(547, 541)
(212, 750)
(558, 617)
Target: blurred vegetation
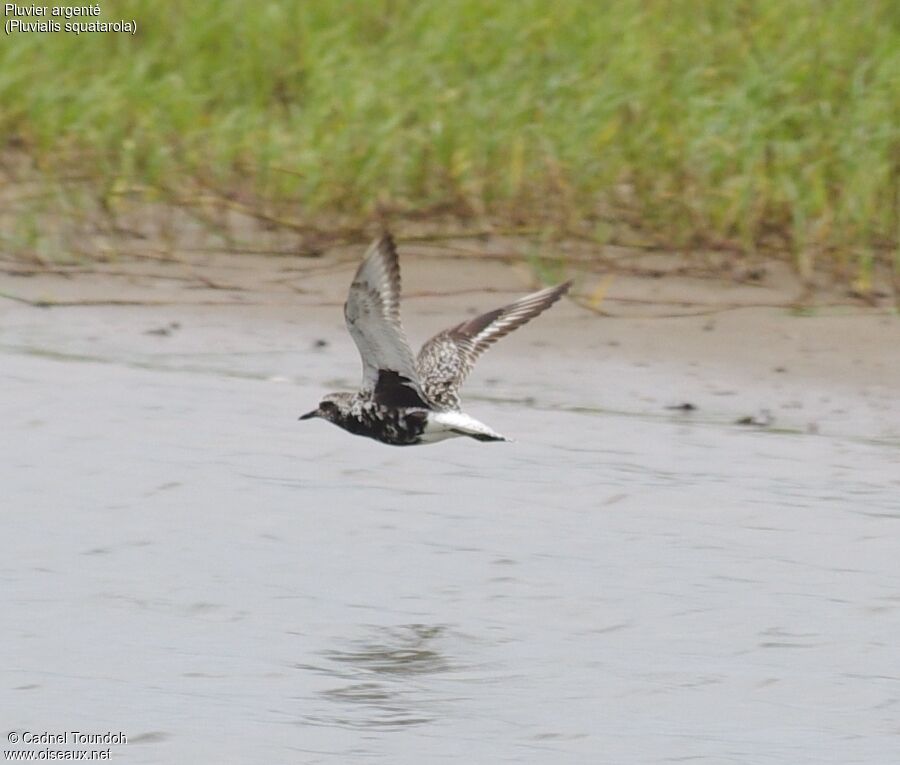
(751, 124)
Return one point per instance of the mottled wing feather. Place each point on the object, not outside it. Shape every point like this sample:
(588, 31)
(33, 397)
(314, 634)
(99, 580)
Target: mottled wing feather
(447, 359)
(372, 312)
(443, 364)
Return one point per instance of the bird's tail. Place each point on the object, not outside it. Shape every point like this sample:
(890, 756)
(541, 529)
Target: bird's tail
(463, 425)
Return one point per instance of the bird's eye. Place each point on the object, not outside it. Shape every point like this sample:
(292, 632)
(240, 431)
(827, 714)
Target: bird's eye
(327, 406)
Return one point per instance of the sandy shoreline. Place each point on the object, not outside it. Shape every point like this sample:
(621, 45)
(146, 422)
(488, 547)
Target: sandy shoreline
(661, 343)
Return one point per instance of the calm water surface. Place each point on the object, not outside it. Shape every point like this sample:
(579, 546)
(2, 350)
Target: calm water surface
(185, 562)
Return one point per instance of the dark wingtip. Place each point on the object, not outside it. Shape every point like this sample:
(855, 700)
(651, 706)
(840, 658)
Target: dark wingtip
(387, 241)
(539, 302)
(559, 291)
(387, 247)
(552, 294)
(555, 292)
(562, 289)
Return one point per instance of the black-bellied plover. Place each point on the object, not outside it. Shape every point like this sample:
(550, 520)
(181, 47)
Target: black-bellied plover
(404, 400)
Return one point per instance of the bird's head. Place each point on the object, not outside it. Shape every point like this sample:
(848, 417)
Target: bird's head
(331, 407)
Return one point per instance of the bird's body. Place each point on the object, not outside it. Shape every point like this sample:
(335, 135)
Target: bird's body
(404, 401)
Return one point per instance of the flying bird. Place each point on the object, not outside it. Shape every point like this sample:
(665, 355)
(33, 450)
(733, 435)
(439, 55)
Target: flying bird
(405, 400)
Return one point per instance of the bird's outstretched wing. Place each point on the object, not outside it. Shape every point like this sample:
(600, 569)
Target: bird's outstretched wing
(372, 312)
(446, 360)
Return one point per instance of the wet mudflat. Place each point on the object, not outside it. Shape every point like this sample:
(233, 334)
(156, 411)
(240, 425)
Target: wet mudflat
(185, 562)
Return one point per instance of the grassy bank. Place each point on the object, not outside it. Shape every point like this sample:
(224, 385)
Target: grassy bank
(770, 124)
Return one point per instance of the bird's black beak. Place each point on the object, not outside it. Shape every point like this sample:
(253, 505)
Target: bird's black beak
(309, 415)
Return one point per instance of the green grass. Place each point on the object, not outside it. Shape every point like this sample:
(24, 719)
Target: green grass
(770, 124)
